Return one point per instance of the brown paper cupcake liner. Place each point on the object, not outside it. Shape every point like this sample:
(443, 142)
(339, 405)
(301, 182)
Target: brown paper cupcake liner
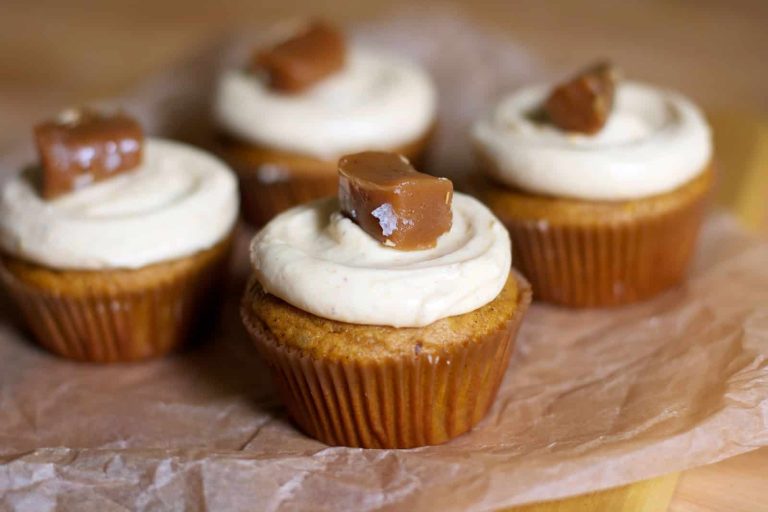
(608, 261)
(115, 316)
(272, 180)
(592, 266)
(393, 402)
(262, 200)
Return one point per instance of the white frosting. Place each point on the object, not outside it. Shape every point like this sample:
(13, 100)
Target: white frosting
(320, 261)
(653, 142)
(376, 101)
(179, 201)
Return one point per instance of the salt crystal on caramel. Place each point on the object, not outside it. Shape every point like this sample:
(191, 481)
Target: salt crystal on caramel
(392, 202)
(300, 62)
(584, 103)
(81, 147)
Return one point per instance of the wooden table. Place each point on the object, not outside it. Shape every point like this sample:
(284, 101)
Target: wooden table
(55, 53)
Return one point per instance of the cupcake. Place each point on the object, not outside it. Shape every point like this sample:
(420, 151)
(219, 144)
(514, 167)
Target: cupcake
(113, 245)
(388, 314)
(286, 117)
(602, 185)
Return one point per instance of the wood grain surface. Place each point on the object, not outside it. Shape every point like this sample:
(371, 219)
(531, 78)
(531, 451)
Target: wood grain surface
(651, 495)
(55, 53)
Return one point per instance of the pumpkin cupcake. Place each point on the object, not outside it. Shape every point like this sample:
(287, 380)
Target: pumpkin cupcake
(602, 185)
(286, 117)
(388, 314)
(114, 244)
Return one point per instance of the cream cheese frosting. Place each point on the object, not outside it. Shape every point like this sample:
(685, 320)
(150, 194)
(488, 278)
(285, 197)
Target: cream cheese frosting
(320, 261)
(180, 200)
(377, 101)
(654, 141)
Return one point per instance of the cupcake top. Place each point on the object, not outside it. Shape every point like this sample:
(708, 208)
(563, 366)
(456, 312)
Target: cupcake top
(173, 202)
(318, 259)
(653, 141)
(373, 100)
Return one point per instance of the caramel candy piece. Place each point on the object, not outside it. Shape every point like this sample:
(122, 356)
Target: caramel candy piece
(81, 147)
(395, 204)
(298, 63)
(584, 103)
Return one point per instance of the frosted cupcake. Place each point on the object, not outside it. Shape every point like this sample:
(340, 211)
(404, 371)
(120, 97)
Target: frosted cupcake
(388, 315)
(287, 116)
(113, 246)
(602, 192)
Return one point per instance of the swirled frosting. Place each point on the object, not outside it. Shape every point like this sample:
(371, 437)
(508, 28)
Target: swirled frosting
(320, 261)
(377, 101)
(179, 201)
(654, 141)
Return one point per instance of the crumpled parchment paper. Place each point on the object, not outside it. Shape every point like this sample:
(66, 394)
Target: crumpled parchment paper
(592, 399)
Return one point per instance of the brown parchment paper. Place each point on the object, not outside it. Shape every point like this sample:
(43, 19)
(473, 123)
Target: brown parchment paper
(592, 399)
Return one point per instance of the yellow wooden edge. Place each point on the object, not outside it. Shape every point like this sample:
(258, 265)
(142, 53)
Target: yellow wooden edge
(652, 495)
(752, 201)
(741, 153)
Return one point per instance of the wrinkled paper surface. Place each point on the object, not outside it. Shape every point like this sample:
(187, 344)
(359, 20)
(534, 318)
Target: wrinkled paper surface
(592, 399)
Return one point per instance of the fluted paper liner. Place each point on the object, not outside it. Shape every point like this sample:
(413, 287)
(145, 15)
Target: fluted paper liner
(272, 181)
(93, 316)
(606, 264)
(260, 200)
(393, 402)
(591, 399)
(594, 261)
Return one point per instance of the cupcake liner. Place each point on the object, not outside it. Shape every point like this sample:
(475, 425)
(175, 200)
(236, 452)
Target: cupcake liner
(272, 180)
(603, 262)
(393, 402)
(262, 200)
(106, 320)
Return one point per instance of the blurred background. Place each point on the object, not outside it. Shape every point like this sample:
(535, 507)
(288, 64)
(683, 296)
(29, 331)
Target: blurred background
(55, 52)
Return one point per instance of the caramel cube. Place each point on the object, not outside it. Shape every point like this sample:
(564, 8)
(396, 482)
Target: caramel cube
(392, 202)
(584, 103)
(81, 147)
(301, 61)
